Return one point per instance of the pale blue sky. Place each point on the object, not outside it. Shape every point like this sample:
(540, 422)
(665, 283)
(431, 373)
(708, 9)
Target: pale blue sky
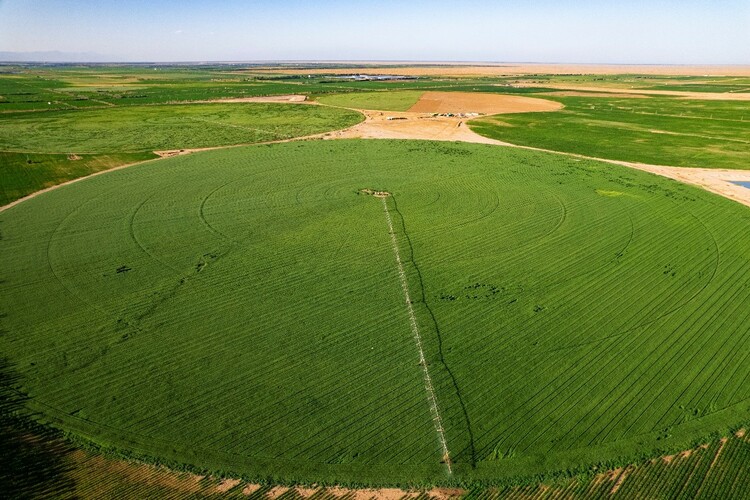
(584, 31)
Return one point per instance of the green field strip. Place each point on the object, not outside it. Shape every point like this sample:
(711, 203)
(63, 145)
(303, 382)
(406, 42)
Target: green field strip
(658, 356)
(728, 377)
(457, 426)
(241, 127)
(400, 100)
(700, 481)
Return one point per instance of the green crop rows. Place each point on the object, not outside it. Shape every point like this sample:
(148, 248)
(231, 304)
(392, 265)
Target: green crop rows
(714, 470)
(386, 101)
(240, 310)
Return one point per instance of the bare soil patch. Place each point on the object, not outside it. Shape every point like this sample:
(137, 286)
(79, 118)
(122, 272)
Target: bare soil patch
(226, 485)
(620, 479)
(376, 194)
(372, 494)
(249, 489)
(446, 493)
(474, 102)
(382, 125)
(428, 119)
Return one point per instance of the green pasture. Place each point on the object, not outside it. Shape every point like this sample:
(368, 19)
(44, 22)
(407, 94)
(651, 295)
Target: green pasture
(241, 310)
(148, 128)
(24, 173)
(385, 101)
(660, 131)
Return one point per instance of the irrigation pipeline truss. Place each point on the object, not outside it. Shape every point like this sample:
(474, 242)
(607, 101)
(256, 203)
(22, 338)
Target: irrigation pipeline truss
(431, 397)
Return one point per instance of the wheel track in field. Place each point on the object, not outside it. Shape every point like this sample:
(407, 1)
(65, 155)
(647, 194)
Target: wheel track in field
(441, 355)
(431, 397)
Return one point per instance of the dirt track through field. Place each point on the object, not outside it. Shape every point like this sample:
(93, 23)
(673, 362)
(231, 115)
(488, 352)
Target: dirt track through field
(290, 98)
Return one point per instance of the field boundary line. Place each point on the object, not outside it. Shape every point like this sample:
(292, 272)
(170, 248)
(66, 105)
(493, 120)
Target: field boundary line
(431, 397)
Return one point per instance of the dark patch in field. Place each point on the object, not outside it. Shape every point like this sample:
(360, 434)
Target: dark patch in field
(442, 149)
(122, 269)
(204, 261)
(669, 270)
(475, 291)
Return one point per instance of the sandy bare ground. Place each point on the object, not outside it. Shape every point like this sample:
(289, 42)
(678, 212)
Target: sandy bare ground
(608, 91)
(512, 69)
(473, 102)
(406, 125)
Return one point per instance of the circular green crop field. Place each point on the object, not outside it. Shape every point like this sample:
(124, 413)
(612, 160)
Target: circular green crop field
(256, 311)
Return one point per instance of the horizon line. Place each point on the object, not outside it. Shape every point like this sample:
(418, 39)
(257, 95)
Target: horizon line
(440, 62)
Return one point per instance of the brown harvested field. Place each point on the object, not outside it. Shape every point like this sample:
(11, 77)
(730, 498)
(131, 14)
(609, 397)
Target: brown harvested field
(511, 69)
(487, 104)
